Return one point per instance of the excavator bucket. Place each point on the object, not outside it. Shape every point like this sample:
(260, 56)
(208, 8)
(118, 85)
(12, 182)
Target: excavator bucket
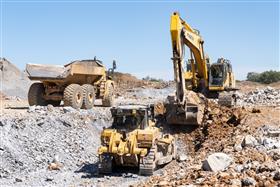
(178, 115)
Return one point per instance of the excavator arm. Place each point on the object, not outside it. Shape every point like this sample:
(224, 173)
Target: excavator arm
(183, 34)
(186, 109)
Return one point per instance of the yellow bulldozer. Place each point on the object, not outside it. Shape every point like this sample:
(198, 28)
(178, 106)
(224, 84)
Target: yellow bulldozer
(198, 74)
(134, 140)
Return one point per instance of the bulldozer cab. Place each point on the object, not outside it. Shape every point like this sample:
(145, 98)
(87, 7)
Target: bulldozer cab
(130, 117)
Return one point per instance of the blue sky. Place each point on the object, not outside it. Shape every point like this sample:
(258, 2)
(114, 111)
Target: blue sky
(136, 34)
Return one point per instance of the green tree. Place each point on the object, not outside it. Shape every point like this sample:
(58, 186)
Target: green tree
(264, 77)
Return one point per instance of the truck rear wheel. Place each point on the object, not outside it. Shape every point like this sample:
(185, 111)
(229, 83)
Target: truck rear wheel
(108, 99)
(36, 94)
(88, 96)
(73, 96)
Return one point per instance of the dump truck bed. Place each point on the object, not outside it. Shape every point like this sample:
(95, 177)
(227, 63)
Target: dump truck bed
(74, 70)
(44, 72)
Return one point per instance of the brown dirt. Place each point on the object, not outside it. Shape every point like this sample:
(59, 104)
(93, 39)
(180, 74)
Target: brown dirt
(126, 81)
(219, 133)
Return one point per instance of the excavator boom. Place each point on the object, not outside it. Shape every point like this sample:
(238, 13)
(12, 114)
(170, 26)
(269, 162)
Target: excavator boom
(183, 34)
(199, 77)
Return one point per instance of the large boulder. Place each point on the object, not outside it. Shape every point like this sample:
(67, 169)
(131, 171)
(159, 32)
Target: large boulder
(217, 162)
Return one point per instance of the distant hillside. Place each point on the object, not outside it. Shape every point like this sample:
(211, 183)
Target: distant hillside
(13, 81)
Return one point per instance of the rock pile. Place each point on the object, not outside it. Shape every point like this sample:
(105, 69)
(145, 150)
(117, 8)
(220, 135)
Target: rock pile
(267, 96)
(46, 139)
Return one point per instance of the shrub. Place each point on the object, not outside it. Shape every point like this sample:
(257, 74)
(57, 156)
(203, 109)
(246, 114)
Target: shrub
(148, 78)
(264, 77)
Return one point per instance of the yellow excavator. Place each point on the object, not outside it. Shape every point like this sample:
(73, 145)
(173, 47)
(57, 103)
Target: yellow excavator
(213, 80)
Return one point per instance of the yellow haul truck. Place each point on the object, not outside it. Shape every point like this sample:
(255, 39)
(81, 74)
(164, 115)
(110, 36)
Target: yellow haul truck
(134, 140)
(77, 84)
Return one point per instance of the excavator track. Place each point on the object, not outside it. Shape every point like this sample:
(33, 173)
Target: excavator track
(226, 99)
(105, 164)
(147, 166)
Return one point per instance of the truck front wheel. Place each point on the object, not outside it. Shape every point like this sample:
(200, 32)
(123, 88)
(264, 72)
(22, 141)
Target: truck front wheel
(108, 99)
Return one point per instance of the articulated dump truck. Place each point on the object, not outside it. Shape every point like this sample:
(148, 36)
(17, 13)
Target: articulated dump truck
(77, 84)
(134, 140)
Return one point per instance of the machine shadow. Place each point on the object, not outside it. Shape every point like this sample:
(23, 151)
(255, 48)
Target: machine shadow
(90, 170)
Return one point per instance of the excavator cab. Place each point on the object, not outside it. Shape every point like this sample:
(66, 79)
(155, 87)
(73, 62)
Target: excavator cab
(218, 74)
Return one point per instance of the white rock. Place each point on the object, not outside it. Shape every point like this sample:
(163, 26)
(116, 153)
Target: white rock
(271, 143)
(217, 162)
(68, 109)
(235, 182)
(237, 147)
(238, 168)
(182, 158)
(249, 141)
(274, 133)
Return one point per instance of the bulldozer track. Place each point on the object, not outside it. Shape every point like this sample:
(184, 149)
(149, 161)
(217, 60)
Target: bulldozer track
(147, 165)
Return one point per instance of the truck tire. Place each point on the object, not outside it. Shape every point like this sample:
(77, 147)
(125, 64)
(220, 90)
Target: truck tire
(108, 98)
(88, 96)
(35, 95)
(73, 96)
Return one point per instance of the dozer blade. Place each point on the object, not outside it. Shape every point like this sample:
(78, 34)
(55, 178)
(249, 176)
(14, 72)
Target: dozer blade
(178, 115)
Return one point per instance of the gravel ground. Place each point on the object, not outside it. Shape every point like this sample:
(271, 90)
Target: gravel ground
(33, 139)
(57, 146)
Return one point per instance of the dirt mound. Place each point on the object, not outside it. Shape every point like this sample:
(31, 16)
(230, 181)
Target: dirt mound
(237, 132)
(126, 81)
(14, 82)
